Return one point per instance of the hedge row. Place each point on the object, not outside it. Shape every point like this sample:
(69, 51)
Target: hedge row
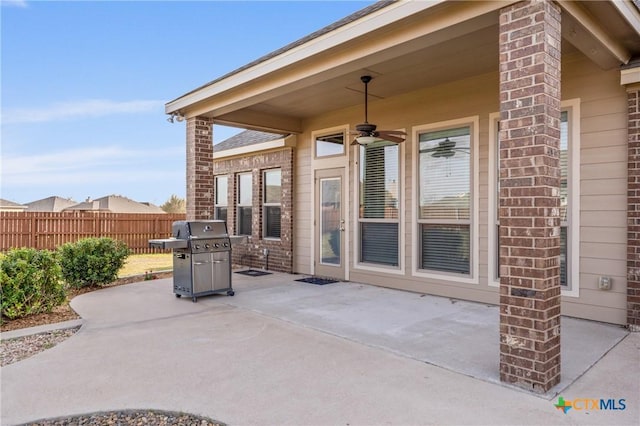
(35, 281)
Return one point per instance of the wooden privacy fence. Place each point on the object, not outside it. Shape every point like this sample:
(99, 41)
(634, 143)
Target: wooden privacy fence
(44, 230)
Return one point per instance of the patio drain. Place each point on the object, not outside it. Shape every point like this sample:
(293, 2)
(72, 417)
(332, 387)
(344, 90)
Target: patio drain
(253, 273)
(317, 281)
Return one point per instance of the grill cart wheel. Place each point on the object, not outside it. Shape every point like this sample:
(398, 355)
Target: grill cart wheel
(178, 296)
(231, 293)
(194, 299)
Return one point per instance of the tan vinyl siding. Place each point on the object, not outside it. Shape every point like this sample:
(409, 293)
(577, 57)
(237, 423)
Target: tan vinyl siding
(302, 222)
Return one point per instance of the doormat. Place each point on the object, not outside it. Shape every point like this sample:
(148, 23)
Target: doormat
(253, 273)
(317, 281)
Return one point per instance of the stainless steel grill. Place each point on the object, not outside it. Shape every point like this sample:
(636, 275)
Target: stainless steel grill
(201, 258)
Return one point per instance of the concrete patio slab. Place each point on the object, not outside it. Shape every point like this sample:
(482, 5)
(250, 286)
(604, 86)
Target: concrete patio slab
(225, 358)
(457, 335)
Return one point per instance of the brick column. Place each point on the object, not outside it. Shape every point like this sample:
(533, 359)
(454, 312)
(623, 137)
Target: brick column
(199, 168)
(529, 195)
(633, 210)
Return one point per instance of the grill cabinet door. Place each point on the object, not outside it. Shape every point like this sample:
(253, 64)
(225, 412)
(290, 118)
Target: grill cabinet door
(221, 270)
(202, 272)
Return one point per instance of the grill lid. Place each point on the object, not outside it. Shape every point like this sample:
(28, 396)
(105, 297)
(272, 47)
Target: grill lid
(183, 229)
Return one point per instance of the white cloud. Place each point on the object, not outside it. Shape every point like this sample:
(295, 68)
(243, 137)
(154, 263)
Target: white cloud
(78, 109)
(89, 165)
(15, 3)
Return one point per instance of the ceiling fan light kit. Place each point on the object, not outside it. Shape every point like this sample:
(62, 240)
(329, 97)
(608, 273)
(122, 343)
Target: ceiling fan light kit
(366, 132)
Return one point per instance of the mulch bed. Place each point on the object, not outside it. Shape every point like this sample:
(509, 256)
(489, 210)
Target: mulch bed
(130, 417)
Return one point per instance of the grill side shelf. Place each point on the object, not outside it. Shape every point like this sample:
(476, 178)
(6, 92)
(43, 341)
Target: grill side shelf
(169, 243)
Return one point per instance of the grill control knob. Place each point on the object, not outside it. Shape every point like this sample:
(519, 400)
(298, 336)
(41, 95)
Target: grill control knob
(207, 246)
(216, 245)
(197, 246)
(226, 244)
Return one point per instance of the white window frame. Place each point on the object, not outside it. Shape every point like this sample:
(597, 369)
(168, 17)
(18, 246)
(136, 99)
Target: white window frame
(216, 200)
(473, 277)
(239, 204)
(572, 106)
(331, 162)
(397, 270)
(345, 145)
(265, 204)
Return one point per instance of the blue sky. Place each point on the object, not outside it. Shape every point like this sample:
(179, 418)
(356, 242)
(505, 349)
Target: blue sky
(84, 84)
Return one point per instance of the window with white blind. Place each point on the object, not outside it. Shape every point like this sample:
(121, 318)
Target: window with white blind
(245, 198)
(445, 171)
(272, 198)
(221, 198)
(566, 233)
(379, 191)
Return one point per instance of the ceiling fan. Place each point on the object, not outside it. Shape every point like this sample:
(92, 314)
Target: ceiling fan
(366, 132)
(445, 149)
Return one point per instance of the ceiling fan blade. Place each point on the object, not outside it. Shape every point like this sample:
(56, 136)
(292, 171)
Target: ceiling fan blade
(389, 137)
(393, 132)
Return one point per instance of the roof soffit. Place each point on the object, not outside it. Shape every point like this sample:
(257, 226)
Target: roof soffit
(606, 32)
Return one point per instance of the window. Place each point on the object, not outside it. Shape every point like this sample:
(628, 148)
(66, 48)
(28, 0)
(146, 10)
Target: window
(272, 198)
(445, 206)
(221, 198)
(379, 191)
(329, 145)
(245, 196)
(564, 197)
(568, 202)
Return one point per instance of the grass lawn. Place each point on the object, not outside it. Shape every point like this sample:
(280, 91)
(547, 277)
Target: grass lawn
(140, 263)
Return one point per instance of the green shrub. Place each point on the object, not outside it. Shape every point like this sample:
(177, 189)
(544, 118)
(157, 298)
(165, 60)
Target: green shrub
(92, 261)
(31, 282)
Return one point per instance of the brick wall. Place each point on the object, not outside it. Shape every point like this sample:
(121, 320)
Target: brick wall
(633, 211)
(529, 195)
(199, 168)
(280, 257)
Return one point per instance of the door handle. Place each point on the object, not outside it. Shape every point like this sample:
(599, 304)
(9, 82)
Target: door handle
(342, 224)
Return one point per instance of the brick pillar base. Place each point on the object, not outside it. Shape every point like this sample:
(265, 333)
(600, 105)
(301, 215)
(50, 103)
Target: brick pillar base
(633, 210)
(529, 195)
(199, 168)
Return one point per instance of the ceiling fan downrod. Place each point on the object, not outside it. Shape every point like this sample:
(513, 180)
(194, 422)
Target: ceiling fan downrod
(366, 79)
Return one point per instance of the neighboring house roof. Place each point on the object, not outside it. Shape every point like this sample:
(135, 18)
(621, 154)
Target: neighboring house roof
(115, 204)
(246, 138)
(10, 206)
(50, 204)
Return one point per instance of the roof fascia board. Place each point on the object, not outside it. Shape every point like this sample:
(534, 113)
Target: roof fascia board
(630, 13)
(288, 141)
(362, 26)
(630, 76)
(584, 18)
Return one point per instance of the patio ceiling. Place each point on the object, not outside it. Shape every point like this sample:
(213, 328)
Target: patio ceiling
(405, 47)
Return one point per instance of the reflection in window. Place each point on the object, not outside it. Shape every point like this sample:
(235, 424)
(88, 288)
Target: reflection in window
(245, 194)
(564, 195)
(330, 210)
(272, 193)
(444, 214)
(221, 198)
(330, 145)
(379, 201)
